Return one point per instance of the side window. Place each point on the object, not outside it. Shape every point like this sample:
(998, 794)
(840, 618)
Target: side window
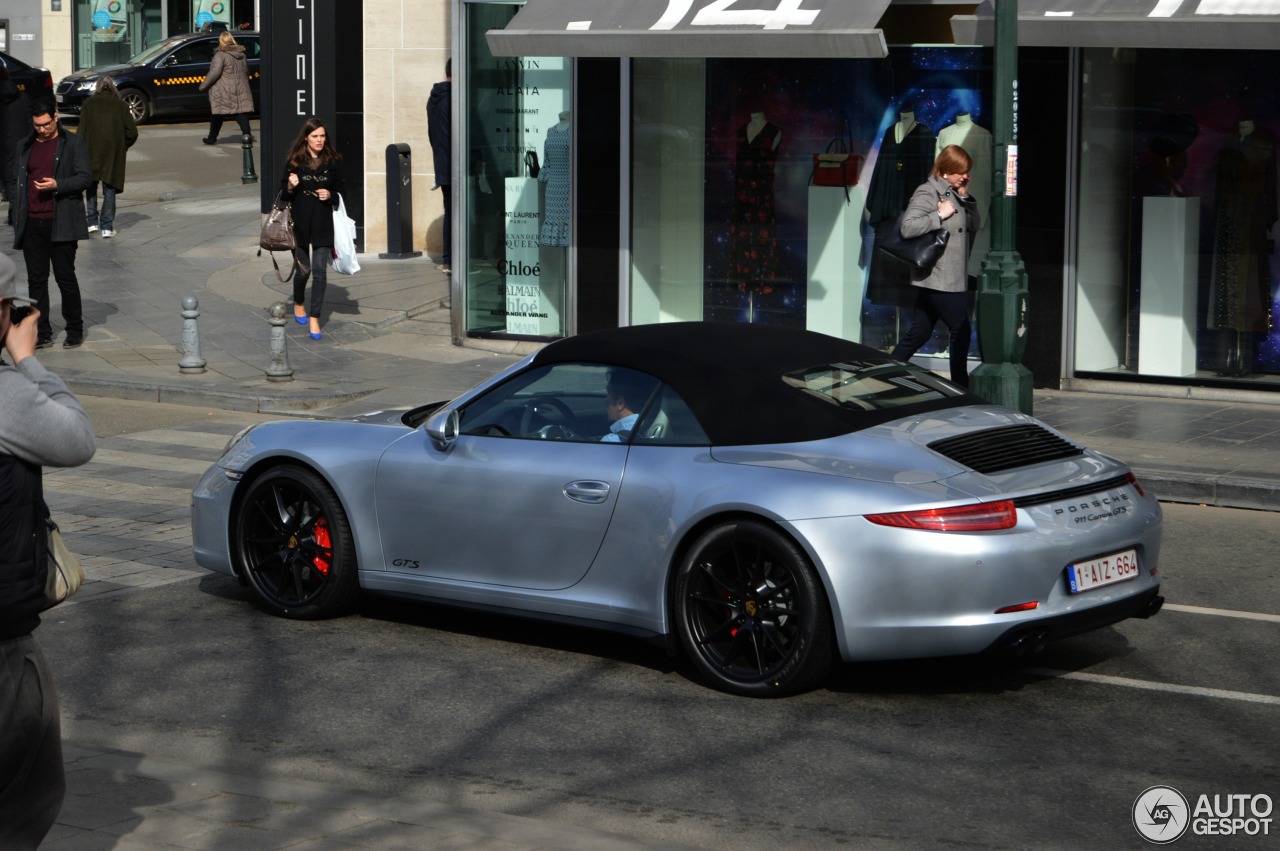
(669, 421)
(195, 53)
(577, 402)
(252, 47)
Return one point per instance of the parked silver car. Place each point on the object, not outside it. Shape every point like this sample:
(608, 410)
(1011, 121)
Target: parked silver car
(766, 500)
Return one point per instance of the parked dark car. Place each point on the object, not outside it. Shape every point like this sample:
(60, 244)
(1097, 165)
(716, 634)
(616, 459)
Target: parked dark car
(164, 79)
(32, 80)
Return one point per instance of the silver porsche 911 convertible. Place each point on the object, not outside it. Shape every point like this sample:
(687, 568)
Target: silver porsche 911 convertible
(763, 499)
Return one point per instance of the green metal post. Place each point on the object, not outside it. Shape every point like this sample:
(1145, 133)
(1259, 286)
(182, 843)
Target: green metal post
(1002, 293)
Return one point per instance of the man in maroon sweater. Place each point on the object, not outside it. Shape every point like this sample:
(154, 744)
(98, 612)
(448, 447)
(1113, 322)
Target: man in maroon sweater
(53, 171)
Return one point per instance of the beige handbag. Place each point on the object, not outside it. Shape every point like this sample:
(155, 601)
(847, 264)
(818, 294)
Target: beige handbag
(65, 573)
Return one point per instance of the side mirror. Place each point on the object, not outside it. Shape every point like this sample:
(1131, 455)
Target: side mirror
(442, 428)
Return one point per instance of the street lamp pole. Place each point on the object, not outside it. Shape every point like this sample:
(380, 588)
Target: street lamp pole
(1002, 294)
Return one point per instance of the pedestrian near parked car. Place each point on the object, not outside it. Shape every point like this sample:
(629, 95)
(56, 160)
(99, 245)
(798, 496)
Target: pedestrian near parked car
(53, 172)
(440, 134)
(41, 424)
(943, 201)
(312, 181)
(228, 86)
(15, 125)
(108, 130)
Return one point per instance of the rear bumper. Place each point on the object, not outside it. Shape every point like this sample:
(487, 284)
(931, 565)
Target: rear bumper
(1032, 636)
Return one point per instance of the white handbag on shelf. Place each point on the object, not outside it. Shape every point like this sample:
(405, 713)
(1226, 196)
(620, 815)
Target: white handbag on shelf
(344, 241)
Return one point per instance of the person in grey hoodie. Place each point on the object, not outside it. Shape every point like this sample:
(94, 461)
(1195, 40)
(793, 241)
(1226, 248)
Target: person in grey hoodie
(41, 424)
(228, 86)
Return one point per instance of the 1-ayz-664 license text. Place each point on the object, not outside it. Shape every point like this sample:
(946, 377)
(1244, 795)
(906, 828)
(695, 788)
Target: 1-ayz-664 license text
(1106, 570)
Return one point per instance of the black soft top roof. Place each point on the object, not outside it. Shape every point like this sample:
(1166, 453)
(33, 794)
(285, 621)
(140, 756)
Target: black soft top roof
(730, 375)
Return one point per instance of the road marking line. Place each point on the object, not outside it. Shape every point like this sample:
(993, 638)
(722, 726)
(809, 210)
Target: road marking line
(1226, 613)
(116, 458)
(1103, 679)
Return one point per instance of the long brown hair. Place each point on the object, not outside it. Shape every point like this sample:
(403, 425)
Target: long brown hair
(108, 85)
(298, 154)
(953, 159)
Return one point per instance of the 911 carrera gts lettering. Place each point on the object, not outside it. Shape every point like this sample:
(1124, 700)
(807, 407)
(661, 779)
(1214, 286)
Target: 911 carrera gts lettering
(1097, 502)
(1089, 518)
(405, 562)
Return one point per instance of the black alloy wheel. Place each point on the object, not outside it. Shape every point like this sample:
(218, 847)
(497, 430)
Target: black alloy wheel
(294, 545)
(751, 612)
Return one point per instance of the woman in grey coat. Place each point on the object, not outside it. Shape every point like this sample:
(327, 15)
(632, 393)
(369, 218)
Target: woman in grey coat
(228, 86)
(943, 201)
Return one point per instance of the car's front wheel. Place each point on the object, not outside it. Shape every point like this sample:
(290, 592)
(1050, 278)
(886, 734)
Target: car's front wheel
(293, 543)
(751, 612)
(139, 104)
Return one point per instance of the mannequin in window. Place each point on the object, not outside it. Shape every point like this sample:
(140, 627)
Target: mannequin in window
(1244, 215)
(555, 175)
(753, 252)
(977, 142)
(904, 161)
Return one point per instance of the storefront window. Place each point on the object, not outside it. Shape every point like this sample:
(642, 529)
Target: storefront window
(518, 169)
(108, 32)
(736, 218)
(1176, 264)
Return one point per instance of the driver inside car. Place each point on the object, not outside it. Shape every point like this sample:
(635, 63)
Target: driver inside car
(621, 393)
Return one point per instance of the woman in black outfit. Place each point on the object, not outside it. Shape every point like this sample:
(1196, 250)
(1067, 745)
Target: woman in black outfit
(312, 181)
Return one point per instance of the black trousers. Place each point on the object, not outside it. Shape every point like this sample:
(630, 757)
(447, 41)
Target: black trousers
(952, 309)
(32, 782)
(41, 252)
(241, 118)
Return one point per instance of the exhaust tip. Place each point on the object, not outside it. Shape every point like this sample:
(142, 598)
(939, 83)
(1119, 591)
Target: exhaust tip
(1152, 607)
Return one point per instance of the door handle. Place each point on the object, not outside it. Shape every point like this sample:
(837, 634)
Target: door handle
(592, 493)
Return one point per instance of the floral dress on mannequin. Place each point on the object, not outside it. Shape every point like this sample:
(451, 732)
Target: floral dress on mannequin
(753, 251)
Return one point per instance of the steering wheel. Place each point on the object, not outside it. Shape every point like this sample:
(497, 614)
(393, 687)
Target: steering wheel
(538, 407)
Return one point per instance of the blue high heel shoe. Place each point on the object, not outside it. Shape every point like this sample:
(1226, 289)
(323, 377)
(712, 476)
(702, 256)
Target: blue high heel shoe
(315, 335)
(301, 320)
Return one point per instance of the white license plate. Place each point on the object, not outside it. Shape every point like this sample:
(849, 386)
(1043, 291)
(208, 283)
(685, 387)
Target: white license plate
(58, 98)
(1098, 572)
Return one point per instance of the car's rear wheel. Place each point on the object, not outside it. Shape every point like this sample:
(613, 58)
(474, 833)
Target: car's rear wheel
(751, 612)
(293, 543)
(139, 104)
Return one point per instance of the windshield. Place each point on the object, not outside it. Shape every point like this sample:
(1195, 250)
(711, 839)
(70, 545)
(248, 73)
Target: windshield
(154, 50)
(872, 386)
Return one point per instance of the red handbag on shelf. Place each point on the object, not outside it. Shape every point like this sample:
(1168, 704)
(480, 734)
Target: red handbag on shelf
(838, 165)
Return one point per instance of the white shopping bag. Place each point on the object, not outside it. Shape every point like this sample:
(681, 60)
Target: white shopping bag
(344, 241)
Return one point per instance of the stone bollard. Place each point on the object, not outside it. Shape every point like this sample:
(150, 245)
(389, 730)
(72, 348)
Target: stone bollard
(249, 176)
(192, 363)
(279, 369)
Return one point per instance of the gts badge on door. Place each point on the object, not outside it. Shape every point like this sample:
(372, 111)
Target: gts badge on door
(405, 562)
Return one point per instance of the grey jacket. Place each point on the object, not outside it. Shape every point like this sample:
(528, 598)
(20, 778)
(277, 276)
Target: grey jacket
(951, 273)
(41, 421)
(228, 81)
(74, 173)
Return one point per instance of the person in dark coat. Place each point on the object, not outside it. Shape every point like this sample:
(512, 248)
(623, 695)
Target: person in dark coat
(108, 129)
(440, 134)
(53, 171)
(311, 183)
(228, 86)
(41, 424)
(15, 125)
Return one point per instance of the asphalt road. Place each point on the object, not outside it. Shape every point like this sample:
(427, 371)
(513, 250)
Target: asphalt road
(578, 727)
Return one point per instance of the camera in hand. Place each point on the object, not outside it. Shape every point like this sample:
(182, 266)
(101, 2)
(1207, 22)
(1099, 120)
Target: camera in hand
(19, 313)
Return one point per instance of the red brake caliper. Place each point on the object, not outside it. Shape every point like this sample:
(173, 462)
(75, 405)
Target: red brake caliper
(321, 534)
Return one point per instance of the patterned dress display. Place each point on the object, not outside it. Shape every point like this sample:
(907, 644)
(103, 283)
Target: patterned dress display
(753, 251)
(1245, 208)
(555, 174)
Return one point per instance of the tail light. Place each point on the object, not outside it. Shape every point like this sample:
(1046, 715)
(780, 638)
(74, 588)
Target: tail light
(1133, 480)
(983, 517)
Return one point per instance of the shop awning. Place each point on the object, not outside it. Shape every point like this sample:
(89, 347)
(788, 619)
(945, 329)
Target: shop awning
(1205, 24)
(806, 29)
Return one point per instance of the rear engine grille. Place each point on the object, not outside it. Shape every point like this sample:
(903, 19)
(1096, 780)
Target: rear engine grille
(1072, 493)
(1005, 448)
